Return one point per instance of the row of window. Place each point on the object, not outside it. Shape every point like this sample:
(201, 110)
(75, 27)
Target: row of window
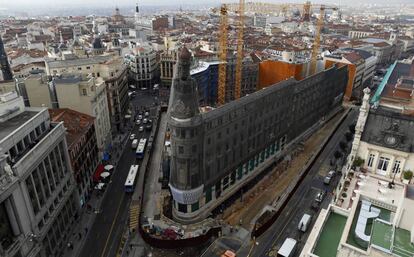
(383, 163)
(59, 231)
(229, 180)
(27, 142)
(46, 178)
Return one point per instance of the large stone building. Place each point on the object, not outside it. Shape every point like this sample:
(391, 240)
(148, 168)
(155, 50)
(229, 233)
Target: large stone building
(214, 153)
(384, 134)
(38, 200)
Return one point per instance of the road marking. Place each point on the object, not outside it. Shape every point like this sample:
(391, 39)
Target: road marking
(133, 216)
(112, 226)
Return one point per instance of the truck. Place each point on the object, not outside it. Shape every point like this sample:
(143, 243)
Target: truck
(288, 248)
(304, 222)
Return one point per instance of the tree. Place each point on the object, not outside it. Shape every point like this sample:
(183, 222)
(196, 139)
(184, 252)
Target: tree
(343, 146)
(358, 162)
(408, 174)
(352, 128)
(348, 136)
(337, 154)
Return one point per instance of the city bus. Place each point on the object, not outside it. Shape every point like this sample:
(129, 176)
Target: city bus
(141, 148)
(130, 181)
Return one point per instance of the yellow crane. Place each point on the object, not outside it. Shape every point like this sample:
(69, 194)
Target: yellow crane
(239, 63)
(221, 92)
(317, 40)
(306, 11)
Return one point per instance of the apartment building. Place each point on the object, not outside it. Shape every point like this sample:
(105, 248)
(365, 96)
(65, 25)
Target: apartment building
(114, 73)
(82, 147)
(142, 63)
(168, 59)
(360, 33)
(356, 68)
(87, 95)
(38, 200)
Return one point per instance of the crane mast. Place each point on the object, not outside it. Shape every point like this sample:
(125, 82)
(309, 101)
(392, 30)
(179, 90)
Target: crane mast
(221, 97)
(239, 63)
(317, 41)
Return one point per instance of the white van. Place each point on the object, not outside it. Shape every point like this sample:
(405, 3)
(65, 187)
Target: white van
(134, 143)
(304, 222)
(288, 248)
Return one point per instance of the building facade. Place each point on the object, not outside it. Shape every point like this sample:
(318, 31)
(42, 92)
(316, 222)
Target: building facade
(38, 200)
(87, 95)
(114, 73)
(82, 147)
(168, 60)
(5, 71)
(214, 153)
(384, 138)
(160, 23)
(142, 63)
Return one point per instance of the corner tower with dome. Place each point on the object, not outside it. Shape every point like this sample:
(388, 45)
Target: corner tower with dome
(185, 124)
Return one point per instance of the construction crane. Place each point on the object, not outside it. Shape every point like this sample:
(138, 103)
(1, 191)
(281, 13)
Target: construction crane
(221, 96)
(317, 40)
(239, 63)
(306, 11)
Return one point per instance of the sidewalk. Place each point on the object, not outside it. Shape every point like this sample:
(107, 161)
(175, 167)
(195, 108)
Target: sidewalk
(87, 215)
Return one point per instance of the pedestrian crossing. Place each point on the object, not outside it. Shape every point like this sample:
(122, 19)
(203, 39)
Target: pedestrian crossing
(134, 216)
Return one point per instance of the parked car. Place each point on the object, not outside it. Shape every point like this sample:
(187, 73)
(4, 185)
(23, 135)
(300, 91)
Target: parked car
(318, 200)
(148, 127)
(132, 137)
(320, 196)
(145, 121)
(140, 117)
(328, 178)
(138, 122)
(146, 114)
(141, 128)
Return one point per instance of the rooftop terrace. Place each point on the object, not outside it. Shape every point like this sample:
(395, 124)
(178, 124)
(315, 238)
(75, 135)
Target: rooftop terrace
(14, 123)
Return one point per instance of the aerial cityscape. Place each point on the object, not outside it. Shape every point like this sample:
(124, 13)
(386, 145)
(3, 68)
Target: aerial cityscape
(206, 129)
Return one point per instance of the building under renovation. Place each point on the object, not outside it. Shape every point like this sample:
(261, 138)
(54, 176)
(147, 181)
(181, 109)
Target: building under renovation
(214, 153)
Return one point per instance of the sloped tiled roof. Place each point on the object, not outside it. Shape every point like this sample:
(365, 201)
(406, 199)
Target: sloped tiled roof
(76, 123)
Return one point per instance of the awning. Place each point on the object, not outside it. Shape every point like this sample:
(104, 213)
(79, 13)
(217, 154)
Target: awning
(98, 172)
(105, 174)
(106, 156)
(109, 167)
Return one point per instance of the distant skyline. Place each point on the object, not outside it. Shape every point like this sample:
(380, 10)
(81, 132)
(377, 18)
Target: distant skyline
(43, 3)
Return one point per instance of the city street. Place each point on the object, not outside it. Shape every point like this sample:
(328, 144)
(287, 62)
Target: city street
(105, 234)
(300, 203)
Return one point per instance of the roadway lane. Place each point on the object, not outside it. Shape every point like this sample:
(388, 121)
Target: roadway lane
(286, 225)
(105, 234)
